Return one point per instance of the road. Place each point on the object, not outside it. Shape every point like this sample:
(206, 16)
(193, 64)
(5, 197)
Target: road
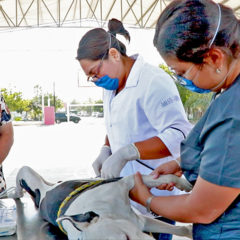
(63, 146)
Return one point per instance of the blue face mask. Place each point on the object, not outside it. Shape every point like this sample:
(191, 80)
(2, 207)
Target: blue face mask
(190, 85)
(107, 83)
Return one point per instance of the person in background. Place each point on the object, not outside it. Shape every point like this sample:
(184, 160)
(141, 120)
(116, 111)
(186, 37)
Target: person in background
(200, 41)
(6, 137)
(144, 115)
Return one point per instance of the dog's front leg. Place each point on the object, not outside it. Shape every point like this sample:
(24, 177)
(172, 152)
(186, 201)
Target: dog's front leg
(33, 183)
(180, 182)
(153, 225)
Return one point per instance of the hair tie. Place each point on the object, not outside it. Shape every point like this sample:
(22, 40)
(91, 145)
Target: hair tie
(110, 40)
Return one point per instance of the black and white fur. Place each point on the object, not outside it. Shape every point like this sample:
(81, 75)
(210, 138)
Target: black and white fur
(113, 217)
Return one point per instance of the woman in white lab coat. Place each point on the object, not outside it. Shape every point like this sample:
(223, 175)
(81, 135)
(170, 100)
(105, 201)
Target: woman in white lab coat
(144, 115)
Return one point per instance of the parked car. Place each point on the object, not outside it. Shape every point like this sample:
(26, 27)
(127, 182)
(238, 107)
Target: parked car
(94, 114)
(62, 117)
(99, 115)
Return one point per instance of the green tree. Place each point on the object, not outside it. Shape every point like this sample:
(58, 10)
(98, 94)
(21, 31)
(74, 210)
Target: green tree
(53, 99)
(183, 92)
(75, 109)
(15, 101)
(36, 102)
(197, 104)
(32, 107)
(98, 108)
(36, 109)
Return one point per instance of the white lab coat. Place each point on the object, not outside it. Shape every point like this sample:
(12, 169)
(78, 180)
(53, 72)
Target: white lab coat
(148, 106)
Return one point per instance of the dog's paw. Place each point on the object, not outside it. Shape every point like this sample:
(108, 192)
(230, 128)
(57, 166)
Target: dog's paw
(183, 185)
(188, 231)
(16, 194)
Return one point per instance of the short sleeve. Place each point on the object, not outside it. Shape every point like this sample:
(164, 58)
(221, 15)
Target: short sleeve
(165, 112)
(5, 115)
(220, 158)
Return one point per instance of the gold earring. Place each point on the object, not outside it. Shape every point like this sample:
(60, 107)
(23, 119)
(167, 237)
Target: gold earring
(218, 70)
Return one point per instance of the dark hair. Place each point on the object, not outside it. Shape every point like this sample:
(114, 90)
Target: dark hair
(95, 43)
(186, 28)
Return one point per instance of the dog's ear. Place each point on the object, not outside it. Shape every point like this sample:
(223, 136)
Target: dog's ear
(69, 227)
(86, 217)
(80, 221)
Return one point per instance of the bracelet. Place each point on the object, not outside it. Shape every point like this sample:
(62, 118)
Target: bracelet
(148, 202)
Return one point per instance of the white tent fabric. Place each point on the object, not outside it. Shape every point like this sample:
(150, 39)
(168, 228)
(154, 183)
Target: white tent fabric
(85, 13)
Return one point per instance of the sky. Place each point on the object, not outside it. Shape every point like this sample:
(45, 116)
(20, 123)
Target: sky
(46, 57)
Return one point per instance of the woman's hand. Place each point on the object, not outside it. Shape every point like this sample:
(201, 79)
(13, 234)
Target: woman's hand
(112, 167)
(102, 157)
(140, 192)
(171, 167)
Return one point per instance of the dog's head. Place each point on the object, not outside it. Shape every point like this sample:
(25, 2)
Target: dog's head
(102, 228)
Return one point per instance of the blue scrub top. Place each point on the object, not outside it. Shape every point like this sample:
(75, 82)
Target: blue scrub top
(5, 115)
(212, 150)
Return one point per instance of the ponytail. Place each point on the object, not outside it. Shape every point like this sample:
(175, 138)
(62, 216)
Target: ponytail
(116, 27)
(95, 43)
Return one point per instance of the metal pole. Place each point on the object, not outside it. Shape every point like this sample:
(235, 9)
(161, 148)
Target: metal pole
(38, 12)
(54, 98)
(49, 101)
(68, 111)
(59, 13)
(16, 13)
(80, 12)
(42, 106)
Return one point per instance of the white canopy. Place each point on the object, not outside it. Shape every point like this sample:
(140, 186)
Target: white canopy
(85, 13)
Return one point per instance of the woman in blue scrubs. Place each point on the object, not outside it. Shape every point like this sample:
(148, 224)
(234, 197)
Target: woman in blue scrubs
(200, 41)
